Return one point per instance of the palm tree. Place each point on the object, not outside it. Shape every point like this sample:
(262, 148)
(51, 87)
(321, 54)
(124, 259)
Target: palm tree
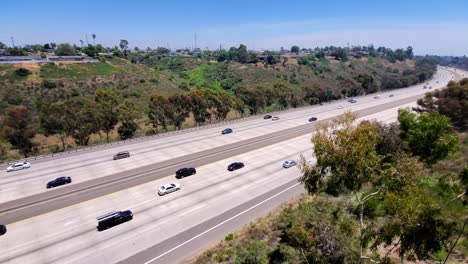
(94, 39)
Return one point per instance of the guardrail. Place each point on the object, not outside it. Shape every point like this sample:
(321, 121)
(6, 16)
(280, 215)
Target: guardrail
(153, 137)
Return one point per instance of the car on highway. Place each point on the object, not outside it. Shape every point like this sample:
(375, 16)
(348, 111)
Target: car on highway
(312, 119)
(184, 172)
(391, 95)
(58, 182)
(19, 166)
(352, 101)
(3, 230)
(226, 131)
(121, 155)
(168, 188)
(340, 107)
(376, 97)
(113, 218)
(267, 117)
(289, 164)
(275, 118)
(235, 166)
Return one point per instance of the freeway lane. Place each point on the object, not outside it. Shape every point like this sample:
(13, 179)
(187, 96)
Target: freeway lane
(98, 164)
(42, 203)
(69, 235)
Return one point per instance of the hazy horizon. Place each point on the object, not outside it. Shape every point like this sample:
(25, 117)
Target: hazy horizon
(429, 27)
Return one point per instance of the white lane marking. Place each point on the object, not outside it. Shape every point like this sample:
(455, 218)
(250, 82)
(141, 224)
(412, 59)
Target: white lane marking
(69, 223)
(222, 223)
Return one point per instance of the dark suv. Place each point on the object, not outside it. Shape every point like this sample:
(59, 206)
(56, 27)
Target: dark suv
(59, 181)
(113, 218)
(226, 131)
(122, 155)
(184, 172)
(267, 117)
(3, 230)
(312, 119)
(235, 166)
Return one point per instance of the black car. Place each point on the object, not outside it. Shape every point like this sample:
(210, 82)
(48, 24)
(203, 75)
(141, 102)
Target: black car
(122, 155)
(184, 172)
(59, 181)
(226, 131)
(267, 117)
(312, 119)
(235, 166)
(113, 218)
(2, 230)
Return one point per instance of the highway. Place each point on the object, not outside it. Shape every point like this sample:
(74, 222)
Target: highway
(171, 228)
(89, 166)
(213, 193)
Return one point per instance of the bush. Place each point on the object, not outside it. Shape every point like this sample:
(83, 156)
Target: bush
(54, 149)
(49, 84)
(22, 72)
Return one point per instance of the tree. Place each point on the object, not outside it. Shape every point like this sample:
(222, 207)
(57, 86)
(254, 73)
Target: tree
(451, 102)
(283, 94)
(295, 49)
(106, 103)
(65, 49)
(90, 50)
(54, 120)
(198, 105)
(94, 39)
(123, 44)
(160, 111)
(83, 120)
(409, 53)
(344, 162)
(180, 109)
(223, 104)
(127, 117)
(428, 135)
(18, 129)
(340, 54)
(242, 54)
(368, 82)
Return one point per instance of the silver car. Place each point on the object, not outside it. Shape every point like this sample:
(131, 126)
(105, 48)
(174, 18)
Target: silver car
(19, 166)
(289, 164)
(275, 118)
(168, 188)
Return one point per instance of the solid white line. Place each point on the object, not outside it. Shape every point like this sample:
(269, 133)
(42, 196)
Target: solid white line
(220, 224)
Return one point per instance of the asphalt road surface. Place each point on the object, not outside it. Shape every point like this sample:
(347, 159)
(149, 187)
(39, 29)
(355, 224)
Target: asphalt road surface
(169, 229)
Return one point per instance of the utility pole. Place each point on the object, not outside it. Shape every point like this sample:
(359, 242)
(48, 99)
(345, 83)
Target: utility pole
(13, 41)
(195, 49)
(87, 42)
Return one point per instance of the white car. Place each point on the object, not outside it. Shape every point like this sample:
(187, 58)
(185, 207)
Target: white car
(376, 97)
(168, 188)
(275, 118)
(340, 107)
(19, 166)
(289, 164)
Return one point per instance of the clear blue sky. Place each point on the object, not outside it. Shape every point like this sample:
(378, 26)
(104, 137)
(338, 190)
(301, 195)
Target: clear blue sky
(435, 27)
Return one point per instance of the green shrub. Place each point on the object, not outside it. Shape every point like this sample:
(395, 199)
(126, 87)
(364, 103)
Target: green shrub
(22, 72)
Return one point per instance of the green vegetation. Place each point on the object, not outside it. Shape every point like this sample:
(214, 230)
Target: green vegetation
(76, 71)
(369, 199)
(211, 86)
